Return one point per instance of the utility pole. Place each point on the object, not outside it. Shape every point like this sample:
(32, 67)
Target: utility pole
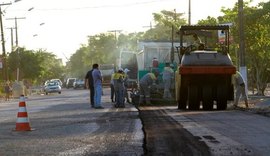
(3, 44)
(150, 26)
(17, 43)
(172, 48)
(115, 31)
(189, 12)
(115, 36)
(16, 28)
(11, 34)
(243, 68)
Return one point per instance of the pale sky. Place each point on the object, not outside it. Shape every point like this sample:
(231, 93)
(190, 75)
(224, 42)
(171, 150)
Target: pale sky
(67, 23)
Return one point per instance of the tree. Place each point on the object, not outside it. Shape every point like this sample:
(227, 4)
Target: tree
(258, 46)
(165, 21)
(26, 61)
(208, 21)
(102, 49)
(76, 67)
(51, 67)
(256, 26)
(129, 41)
(36, 66)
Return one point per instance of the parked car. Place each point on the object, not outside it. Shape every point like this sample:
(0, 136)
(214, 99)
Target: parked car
(52, 87)
(79, 84)
(70, 82)
(57, 80)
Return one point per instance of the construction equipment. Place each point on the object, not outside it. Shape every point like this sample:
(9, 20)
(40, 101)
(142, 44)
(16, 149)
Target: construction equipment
(152, 56)
(204, 76)
(106, 72)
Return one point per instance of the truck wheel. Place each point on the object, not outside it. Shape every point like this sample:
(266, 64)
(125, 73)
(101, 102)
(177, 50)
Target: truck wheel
(193, 98)
(221, 97)
(207, 98)
(182, 103)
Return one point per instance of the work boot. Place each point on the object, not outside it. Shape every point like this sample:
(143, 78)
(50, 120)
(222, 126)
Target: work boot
(246, 105)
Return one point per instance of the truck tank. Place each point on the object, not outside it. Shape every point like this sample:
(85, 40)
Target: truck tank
(205, 72)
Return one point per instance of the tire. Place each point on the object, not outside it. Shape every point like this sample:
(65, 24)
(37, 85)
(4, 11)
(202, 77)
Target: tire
(193, 98)
(182, 103)
(207, 98)
(59, 92)
(221, 97)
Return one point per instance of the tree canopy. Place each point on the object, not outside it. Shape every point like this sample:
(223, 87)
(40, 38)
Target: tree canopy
(36, 66)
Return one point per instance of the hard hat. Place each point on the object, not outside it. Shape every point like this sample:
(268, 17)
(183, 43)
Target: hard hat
(126, 70)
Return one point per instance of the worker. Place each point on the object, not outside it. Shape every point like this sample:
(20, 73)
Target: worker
(155, 62)
(240, 88)
(119, 88)
(112, 87)
(145, 83)
(167, 76)
(197, 43)
(126, 79)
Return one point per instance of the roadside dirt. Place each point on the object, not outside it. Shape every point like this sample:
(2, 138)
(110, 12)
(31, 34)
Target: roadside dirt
(257, 104)
(164, 136)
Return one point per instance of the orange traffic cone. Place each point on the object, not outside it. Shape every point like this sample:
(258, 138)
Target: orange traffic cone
(22, 123)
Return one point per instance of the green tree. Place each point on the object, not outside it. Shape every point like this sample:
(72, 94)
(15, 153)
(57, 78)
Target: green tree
(129, 41)
(26, 61)
(36, 66)
(165, 22)
(208, 21)
(102, 49)
(256, 28)
(76, 67)
(258, 45)
(51, 66)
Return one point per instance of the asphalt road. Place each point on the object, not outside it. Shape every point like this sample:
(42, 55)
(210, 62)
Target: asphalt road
(232, 132)
(65, 124)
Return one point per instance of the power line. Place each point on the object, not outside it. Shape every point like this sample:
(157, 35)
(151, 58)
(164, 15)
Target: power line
(101, 6)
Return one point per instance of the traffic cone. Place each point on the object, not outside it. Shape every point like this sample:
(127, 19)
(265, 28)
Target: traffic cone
(22, 123)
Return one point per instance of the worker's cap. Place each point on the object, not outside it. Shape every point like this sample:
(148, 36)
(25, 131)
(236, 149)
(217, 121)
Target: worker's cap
(126, 70)
(120, 70)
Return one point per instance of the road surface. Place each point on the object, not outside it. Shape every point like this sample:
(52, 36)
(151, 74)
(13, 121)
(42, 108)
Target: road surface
(65, 124)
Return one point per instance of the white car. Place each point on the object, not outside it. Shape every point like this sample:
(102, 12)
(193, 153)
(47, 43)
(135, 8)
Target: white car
(52, 87)
(58, 80)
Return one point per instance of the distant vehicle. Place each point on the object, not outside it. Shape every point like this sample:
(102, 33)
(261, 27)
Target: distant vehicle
(106, 72)
(70, 82)
(58, 80)
(52, 87)
(79, 84)
(128, 60)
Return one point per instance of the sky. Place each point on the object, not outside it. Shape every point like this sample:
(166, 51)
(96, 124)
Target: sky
(62, 26)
